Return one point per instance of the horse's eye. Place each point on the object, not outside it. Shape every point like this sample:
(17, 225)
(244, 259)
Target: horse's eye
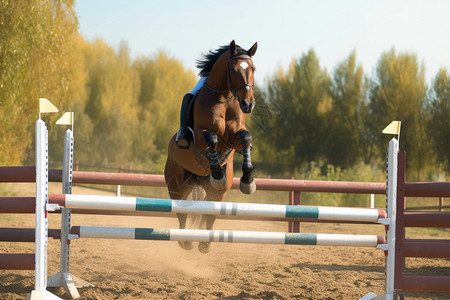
(234, 71)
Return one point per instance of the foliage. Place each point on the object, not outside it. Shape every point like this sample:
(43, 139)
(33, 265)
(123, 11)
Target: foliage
(123, 100)
(296, 105)
(397, 92)
(344, 118)
(439, 118)
(164, 82)
(36, 60)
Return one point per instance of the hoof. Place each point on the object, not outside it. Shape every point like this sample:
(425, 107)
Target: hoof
(247, 188)
(218, 184)
(203, 247)
(186, 245)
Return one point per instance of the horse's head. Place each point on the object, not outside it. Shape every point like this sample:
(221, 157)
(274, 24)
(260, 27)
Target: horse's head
(240, 76)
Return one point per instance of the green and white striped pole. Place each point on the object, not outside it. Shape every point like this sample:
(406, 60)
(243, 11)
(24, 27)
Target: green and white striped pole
(219, 208)
(226, 236)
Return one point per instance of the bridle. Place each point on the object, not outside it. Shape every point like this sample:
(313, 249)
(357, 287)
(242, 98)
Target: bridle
(232, 89)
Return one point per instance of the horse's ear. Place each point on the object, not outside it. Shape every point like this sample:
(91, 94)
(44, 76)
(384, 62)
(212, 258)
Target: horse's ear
(233, 48)
(252, 50)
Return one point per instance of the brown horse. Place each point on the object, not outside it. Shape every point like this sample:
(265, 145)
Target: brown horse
(218, 124)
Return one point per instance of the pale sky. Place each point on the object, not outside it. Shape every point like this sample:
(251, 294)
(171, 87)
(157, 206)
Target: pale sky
(284, 29)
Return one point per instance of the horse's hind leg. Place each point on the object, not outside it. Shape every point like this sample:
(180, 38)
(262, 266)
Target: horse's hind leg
(183, 191)
(178, 189)
(216, 196)
(203, 247)
(182, 219)
(196, 194)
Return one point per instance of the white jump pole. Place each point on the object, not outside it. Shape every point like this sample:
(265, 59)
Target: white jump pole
(95, 202)
(228, 236)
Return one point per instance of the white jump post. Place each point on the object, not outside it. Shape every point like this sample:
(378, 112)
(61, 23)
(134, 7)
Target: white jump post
(41, 221)
(391, 206)
(391, 210)
(63, 278)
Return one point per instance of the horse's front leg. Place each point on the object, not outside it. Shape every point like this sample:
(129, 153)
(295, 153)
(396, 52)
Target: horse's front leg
(247, 184)
(217, 177)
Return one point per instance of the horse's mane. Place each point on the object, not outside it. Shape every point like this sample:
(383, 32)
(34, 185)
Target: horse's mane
(207, 61)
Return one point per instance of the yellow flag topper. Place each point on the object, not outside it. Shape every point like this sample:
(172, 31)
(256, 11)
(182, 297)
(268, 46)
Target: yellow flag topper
(45, 106)
(393, 128)
(66, 119)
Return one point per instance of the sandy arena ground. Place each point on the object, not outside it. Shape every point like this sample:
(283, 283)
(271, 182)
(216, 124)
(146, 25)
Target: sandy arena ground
(128, 269)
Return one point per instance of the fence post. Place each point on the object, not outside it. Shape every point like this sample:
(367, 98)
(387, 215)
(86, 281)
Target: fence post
(400, 222)
(294, 199)
(118, 186)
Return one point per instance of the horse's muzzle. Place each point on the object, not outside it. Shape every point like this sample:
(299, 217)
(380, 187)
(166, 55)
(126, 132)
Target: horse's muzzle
(247, 107)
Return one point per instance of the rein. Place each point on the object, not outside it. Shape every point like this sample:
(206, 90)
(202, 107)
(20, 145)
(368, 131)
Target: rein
(231, 89)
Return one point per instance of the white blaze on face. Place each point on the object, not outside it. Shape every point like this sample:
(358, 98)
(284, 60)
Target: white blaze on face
(244, 65)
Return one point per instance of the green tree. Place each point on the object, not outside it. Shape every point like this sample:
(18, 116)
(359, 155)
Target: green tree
(397, 92)
(164, 82)
(343, 144)
(111, 105)
(439, 118)
(36, 51)
(298, 102)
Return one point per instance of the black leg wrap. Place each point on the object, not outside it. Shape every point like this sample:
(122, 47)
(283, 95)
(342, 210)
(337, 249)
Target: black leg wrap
(247, 173)
(246, 139)
(216, 169)
(247, 184)
(247, 167)
(213, 157)
(211, 139)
